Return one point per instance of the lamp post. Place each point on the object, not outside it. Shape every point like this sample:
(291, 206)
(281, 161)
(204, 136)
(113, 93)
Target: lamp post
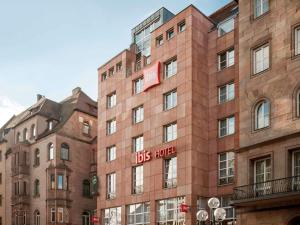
(217, 214)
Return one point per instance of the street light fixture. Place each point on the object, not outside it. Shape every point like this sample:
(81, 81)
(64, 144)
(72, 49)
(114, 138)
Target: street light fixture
(217, 214)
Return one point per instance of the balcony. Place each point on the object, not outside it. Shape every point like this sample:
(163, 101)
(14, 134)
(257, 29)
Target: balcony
(267, 192)
(20, 199)
(20, 169)
(58, 195)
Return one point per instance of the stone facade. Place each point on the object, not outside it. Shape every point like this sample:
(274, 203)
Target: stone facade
(28, 164)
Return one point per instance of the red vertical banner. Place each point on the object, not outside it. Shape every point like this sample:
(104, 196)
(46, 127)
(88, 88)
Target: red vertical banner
(151, 76)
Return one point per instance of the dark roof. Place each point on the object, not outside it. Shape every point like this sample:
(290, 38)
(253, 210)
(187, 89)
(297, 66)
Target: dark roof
(228, 10)
(59, 112)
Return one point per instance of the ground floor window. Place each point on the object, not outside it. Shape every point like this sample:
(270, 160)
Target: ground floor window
(138, 214)
(112, 216)
(86, 218)
(37, 218)
(168, 211)
(230, 211)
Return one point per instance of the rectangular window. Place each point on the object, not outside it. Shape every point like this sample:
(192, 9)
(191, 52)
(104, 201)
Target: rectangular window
(181, 26)
(111, 185)
(226, 168)
(60, 182)
(170, 33)
(60, 215)
(111, 71)
(261, 58)
(159, 41)
(230, 210)
(262, 174)
(111, 126)
(52, 181)
(111, 153)
(170, 100)
(170, 132)
(226, 59)
(119, 66)
(225, 26)
(170, 172)
(104, 76)
(138, 214)
(52, 218)
(296, 163)
(111, 100)
(260, 7)
(138, 85)
(170, 68)
(0, 200)
(0, 178)
(138, 114)
(168, 211)
(64, 152)
(138, 143)
(226, 92)
(137, 179)
(112, 216)
(297, 40)
(226, 126)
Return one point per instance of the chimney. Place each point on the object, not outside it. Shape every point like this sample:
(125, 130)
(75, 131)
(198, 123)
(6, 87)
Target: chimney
(39, 97)
(76, 90)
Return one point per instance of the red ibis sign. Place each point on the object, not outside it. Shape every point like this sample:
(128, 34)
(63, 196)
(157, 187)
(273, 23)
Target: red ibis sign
(184, 208)
(151, 76)
(95, 219)
(145, 156)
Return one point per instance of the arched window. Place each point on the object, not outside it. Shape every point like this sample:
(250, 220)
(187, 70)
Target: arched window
(86, 218)
(25, 135)
(262, 114)
(37, 157)
(64, 151)
(50, 151)
(86, 188)
(36, 188)
(37, 217)
(33, 131)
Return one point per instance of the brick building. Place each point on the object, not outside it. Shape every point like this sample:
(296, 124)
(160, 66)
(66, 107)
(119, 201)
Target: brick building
(47, 161)
(168, 119)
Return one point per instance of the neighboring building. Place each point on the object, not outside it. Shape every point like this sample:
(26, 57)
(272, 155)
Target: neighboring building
(47, 161)
(268, 159)
(168, 120)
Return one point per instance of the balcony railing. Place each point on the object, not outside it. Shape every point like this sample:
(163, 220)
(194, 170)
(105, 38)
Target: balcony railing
(20, 199)
(20, 169)
(267, 189)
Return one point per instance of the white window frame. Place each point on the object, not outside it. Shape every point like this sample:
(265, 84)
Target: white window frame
(181, 26)
(230, 158)
(173, 99)
(293, 163)
(139, 210)
(170, 33)
(138, 143)
(60, 211)
(164, 210)
(111, 126)
(265, 120)
(111, 185)
(173, 133)
(173, 68)
(111, 153)
(159, 40)
(229, 94)
(170, 172)
(228, 128)
(138, 179)
(112, 216)
(138, 114)
(229, 61)
(53, 215)
(228, 208)
(111, 100)
(222, 32)
(261, 7)
(264, 60)
(138, 85)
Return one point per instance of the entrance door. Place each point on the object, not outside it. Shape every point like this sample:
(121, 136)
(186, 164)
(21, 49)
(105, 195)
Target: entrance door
(262, 174)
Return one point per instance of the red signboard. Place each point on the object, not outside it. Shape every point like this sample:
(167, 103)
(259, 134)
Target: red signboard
(145, 156)
(184, 208)
(95, 219)
(151, 76)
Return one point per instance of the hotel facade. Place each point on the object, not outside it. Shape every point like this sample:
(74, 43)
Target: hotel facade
(199, 107)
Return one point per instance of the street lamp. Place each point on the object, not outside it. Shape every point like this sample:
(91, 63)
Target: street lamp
(217, 214)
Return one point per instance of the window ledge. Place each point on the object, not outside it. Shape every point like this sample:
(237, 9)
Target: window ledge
(228, 135)
(257, 18)
(253, 75)
(260, 129)
(225, 185)
(226, 68)
(223, 103)
(219, 37)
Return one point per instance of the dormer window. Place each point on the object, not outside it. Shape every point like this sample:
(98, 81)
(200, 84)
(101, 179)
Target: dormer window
(50, 125)
(86, 128)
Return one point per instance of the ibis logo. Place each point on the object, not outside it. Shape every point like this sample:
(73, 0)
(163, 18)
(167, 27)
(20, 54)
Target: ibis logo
(146, 156)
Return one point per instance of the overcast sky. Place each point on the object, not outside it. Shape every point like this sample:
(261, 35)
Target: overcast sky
(51, 46)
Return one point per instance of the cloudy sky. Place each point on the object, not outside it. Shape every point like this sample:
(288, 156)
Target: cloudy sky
(50, 47)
